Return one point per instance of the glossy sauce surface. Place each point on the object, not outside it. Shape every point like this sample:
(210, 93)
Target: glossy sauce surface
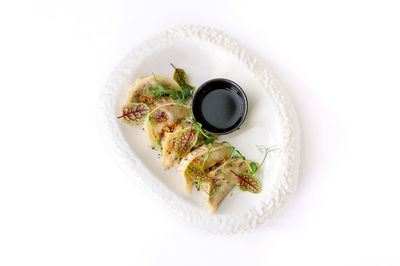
(219, 106)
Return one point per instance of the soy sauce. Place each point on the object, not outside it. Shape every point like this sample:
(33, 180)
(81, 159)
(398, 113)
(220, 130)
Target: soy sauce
(220, 105)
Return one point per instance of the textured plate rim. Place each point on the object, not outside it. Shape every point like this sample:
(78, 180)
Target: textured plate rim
(116, 143)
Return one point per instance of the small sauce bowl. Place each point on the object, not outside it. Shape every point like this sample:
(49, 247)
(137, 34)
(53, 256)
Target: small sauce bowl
(220, 105)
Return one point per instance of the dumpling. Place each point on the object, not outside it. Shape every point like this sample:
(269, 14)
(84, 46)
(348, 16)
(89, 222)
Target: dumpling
(198, 150)
(168, 151)
(218, 154)
(216, 191)
(165, 118)
(139, 92)
(169, 155)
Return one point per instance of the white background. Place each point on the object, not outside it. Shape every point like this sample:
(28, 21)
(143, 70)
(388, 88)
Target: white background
(64, 201)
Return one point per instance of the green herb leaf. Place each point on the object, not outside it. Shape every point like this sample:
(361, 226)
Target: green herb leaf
(182, 95)
(185, 142)
(197, 174)
(234, 152)
(253, 167)
(209, 140)
(161, 91)
(158, 145)
(181, 78)
(134, 113)
(247, 182)
(157, 91)
(230, 148)
(197, 126)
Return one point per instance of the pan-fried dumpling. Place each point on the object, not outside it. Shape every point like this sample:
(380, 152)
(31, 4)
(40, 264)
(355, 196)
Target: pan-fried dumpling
(139, 92)
(169, 155)
(218, 154)
(216, 191)
(196, 151)
(168, 151)
(165, 118)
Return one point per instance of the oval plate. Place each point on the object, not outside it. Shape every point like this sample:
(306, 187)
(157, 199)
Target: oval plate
(207, 53)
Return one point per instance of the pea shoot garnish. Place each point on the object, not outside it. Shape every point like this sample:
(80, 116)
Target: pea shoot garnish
(182, 95)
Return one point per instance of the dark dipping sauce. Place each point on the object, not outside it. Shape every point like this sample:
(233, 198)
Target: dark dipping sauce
(220, 105)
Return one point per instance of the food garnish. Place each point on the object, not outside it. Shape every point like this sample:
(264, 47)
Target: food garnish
(185, 141)
(198, 127)
(181, 78)
(189, 137)
(237, 155)
(196, 173)
(266, 151)
(182, 95)
(134, 113)
(248, 182)
(160, 91)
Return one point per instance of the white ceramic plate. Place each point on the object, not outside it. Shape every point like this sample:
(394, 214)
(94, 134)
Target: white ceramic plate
(206, 53)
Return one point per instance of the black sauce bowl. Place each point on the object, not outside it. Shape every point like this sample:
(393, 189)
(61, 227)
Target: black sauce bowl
(220, 105)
